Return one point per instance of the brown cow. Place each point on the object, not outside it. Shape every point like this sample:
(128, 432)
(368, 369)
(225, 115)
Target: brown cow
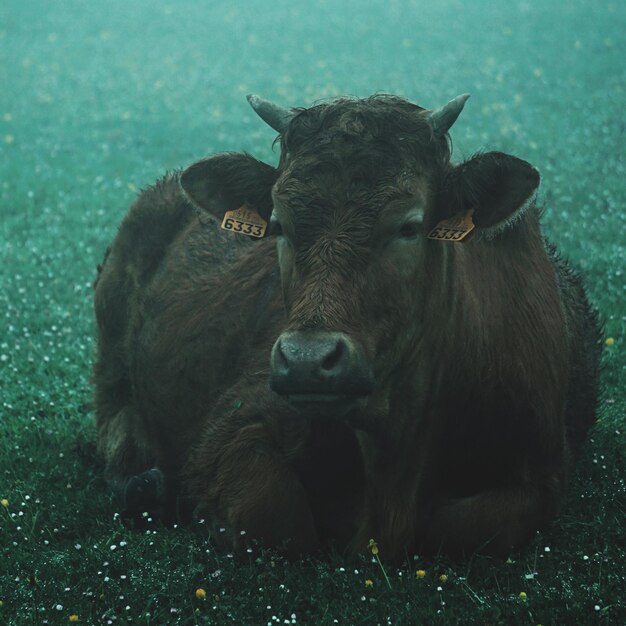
(400, 356)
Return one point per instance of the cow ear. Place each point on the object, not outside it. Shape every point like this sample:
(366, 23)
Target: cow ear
(497, 186)
(227, 181)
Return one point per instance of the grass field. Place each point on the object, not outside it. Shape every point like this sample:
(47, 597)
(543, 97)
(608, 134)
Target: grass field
(99, 99)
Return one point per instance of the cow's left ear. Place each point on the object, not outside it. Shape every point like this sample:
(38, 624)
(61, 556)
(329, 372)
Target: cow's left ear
(225, 182)
(497, 186)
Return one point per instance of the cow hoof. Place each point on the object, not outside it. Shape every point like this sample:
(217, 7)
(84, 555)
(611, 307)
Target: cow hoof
(144, 492)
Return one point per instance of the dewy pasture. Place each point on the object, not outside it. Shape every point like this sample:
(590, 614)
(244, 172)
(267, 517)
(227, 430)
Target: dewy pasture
(97, 101)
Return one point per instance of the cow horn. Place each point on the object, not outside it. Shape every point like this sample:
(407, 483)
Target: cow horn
(441, 119)
(277, 117)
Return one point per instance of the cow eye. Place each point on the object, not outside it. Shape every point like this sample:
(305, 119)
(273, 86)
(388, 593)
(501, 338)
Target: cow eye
(410, 230)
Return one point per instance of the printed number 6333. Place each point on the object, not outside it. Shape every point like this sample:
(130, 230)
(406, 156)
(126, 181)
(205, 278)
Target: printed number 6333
(447, 233)
(242, 227)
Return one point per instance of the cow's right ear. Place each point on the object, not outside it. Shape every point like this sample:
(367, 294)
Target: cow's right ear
(227, 181)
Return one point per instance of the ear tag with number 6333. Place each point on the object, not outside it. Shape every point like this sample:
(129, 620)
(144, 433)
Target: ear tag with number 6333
(457, 228)
(245, 221)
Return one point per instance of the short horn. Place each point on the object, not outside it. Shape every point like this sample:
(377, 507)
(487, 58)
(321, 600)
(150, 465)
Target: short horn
(273, 115)
(442, 119)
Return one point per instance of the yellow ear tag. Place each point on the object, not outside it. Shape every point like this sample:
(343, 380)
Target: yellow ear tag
(456, 228)
(245, 221)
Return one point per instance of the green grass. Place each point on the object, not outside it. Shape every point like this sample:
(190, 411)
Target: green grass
(97, 100)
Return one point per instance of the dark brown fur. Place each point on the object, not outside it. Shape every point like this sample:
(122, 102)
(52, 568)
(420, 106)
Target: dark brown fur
(484, 354)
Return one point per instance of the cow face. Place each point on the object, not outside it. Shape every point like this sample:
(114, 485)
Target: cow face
(359, 185)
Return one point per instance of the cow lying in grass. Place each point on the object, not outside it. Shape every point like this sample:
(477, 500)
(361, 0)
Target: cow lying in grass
(383, 346)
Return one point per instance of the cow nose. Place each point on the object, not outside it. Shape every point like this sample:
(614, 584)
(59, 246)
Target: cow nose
(319, 363)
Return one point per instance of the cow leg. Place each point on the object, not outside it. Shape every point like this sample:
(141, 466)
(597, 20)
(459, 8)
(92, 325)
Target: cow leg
(136, 484)
(492, 522)
(253, 492)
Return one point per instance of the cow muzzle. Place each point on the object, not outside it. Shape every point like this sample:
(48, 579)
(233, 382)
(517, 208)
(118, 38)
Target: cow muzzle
(320, 371)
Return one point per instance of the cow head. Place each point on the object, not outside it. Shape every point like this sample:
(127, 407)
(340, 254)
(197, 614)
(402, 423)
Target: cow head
(359, 185)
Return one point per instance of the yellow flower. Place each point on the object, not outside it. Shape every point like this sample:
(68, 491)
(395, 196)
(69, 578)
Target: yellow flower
(373, 547)
(523, 596)
(420, 573)
(609, 341)
(4, 502)
(443, 578)
(369, 583)
(200, 593)
(73, 617)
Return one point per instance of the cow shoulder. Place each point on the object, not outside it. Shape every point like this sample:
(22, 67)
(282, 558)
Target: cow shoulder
(157, 216)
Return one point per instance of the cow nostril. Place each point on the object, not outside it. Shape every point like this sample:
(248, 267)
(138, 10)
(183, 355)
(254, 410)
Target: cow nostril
(281, 360)
(332, 360)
